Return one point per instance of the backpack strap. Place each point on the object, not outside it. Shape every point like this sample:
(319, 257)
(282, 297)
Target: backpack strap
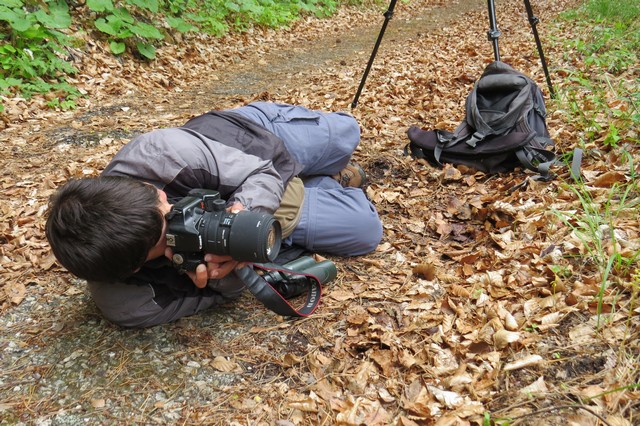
(576, 162)
(444, 140)
(535, 157)
(439, 139)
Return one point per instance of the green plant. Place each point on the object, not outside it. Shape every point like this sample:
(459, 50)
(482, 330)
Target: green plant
(595, 224)
(487, 420)
(533, 328)
(604, 108)
(33, 44)
(218, 17)
(603, 95)
(21, 52)
(124, 23)
(31, 53)
(561, 271)
(618, 10)
(137, 23)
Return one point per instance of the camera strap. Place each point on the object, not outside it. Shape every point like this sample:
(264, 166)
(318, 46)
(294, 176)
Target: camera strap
(271, 298)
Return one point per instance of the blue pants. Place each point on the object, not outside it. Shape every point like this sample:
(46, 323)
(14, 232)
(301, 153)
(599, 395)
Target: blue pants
(334, 220)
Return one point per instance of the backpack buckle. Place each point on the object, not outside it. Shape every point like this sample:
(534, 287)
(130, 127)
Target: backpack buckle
(474, 139)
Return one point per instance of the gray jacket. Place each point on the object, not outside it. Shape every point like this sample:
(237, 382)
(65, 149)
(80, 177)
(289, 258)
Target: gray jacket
(219, 150)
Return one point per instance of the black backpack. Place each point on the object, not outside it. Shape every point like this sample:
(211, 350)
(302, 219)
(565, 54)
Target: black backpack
(504, 127)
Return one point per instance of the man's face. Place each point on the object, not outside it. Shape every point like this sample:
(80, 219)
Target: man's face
(161, 245)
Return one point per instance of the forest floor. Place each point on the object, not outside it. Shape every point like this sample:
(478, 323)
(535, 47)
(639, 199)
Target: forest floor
(480, 305)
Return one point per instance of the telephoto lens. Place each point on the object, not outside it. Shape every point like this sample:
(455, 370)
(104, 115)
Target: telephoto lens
(245, 236)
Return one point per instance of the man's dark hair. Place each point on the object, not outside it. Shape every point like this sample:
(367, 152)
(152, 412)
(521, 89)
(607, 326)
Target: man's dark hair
(101, 229)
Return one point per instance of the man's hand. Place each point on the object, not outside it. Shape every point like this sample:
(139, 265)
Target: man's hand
(235, 207)
(215, 267)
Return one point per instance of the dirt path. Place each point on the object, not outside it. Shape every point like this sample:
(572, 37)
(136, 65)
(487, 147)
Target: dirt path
(283, 67)
(125, 100)
(270, 65)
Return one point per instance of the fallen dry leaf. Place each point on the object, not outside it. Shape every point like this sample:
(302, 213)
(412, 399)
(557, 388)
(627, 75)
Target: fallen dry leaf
(526, 361)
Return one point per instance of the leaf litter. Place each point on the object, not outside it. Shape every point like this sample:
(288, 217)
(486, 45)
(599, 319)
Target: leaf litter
(478, 299)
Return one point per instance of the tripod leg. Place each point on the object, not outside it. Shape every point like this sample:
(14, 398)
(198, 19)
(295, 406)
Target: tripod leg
(533, 20)
(387, 17)
(493, 32)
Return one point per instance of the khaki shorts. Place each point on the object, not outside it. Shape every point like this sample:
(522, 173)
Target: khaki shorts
(288, 214)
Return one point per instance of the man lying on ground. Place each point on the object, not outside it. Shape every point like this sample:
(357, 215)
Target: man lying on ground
(284, 160)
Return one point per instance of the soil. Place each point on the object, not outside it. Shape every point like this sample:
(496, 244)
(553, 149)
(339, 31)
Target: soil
(405, 335)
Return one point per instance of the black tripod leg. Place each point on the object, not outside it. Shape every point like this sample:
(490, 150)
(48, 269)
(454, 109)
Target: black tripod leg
(387, 17)
(493, 32)
(533, 20)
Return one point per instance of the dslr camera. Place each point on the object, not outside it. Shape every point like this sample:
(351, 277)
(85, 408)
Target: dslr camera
(199, 224)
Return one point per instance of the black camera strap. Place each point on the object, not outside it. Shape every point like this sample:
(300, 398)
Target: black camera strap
(269, 296)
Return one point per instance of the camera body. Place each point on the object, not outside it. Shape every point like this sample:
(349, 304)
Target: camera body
(199, 224)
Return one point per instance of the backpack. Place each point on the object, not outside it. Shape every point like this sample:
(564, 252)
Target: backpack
(504, 127)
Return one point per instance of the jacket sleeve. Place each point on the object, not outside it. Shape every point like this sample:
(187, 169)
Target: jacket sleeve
(149, 304)
(160, 294)
(178, 161)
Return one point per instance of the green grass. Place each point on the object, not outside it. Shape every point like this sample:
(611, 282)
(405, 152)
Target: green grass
(602, 95)
(596, 224)
(624, 11)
